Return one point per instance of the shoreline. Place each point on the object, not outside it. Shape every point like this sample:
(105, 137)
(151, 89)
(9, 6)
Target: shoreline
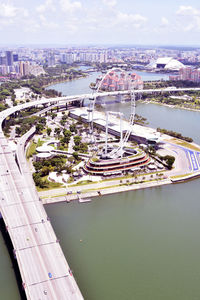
(168, 105)
(115, 189)
(64, 80)
(120, 189)
(104, 192)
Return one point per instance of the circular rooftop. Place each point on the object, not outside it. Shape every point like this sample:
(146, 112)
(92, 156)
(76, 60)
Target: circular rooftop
(43, 155)
(44, 148)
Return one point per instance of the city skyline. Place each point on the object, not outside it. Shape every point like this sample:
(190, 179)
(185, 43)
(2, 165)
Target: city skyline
(68, 22)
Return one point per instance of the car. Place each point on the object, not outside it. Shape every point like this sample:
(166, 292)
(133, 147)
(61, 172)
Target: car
(50, 275)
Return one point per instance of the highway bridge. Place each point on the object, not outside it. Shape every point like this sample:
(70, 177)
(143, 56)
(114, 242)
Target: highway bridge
(44, 270)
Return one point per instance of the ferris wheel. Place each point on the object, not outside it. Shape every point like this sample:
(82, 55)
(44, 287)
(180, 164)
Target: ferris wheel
(92, 101)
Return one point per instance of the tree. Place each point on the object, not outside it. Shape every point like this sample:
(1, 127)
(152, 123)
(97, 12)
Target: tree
(57, 131)
(53, 115)
(77, 140)
(67, 135)
(18, 130)
(45, 171)
(169, 160)
(49, 130)
(73, 128)
(39, 128)
(38, 180)
(75, 155)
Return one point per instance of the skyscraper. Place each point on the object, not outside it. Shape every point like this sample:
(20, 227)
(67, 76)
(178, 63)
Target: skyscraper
(9, 58)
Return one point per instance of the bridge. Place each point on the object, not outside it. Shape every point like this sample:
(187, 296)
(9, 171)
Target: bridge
(44, 270)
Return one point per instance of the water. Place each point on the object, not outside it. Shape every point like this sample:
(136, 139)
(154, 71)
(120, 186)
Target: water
(75, 87)
(140, 245)
(136, 245)
(81, 86)
(8, 284)
(181, 120)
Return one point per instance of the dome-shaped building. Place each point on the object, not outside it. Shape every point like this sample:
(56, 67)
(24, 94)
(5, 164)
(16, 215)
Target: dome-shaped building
(166, 63)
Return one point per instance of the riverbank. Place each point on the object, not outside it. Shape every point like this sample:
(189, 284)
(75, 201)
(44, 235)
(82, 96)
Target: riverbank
(90, 192)
(168, 105)
(65, 80)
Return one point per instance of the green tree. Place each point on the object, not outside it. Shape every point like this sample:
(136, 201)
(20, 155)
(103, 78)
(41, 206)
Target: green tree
(49, 130)
(57, 131)
(73, 128)
(75, 155)
(39, 128)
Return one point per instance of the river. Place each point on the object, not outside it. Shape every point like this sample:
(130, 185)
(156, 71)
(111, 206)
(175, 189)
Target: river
(141, 245)
(81, 86)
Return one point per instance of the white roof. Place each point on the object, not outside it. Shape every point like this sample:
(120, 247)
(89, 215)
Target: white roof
(174, 65)
(170, 63)
(163, 60)
(44, 148)
(43, 155)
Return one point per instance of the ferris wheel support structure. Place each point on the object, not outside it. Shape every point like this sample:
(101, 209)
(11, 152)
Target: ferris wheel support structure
(92, 99)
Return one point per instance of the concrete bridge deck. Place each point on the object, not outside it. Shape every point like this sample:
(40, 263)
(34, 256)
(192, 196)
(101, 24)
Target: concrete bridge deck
(44, 270)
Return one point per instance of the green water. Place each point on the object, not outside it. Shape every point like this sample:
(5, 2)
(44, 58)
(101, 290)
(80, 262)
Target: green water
(136, 245)
(8, 284)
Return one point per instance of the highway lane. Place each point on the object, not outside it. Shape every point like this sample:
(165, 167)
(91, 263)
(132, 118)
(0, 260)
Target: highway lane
(44, 269)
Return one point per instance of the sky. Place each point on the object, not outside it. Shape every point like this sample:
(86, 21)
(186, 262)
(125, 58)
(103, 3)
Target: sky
(100, 22)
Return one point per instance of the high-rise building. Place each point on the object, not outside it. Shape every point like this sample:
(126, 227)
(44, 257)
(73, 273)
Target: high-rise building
(9, 58)
(15, 57)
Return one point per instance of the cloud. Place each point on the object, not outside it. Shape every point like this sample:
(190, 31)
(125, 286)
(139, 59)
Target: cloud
(11, 15)
(46, 23)
(187, 11)
(7, 10)
(47, 5)
(164, 22)
(70, 6)
(188, 18)
(135, 20)
(110, 3)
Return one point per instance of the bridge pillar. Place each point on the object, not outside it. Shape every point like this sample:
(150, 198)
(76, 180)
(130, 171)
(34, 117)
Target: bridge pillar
(82, 103)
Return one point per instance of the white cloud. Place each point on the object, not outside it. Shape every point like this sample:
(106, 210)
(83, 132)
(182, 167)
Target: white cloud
(7, 10)
(110, 3)
(11, 15)
(135, 20)
(46, 23)
(188, 18)
(187, 11)
(47, 5)
(164, 22)
(70, 6)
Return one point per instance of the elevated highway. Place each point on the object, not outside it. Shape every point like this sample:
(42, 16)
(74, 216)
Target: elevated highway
(44, 270)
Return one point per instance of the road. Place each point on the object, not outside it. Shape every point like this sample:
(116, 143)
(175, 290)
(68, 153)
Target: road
(44, 270)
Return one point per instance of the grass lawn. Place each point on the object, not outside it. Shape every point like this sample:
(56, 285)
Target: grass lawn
(185, 144)
(31, 150)
(50, 185)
